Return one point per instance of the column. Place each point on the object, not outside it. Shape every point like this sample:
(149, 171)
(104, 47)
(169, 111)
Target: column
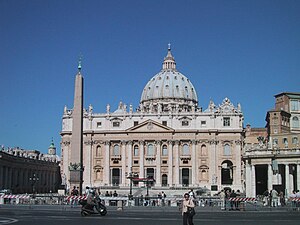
(129, 162)
(270, 177)
(298, 176)
(238, 170)
(158, 173)
(176, 163)
(123, 160)
(253, 182)
(212, 161)
(194, 168)
(170, 163)
(106, 171)
(287, 180)
(141, 149)
(87, 159)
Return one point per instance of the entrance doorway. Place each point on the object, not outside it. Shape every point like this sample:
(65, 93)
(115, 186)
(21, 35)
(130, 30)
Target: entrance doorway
(115, 180)
(261, 174)
(185, 177)
(150, 174)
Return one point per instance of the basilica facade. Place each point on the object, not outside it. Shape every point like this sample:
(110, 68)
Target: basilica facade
(169, 139)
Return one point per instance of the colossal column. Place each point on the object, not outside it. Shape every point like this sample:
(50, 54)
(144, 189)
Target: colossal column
(253, 181)
(270, 177)
(123, 158)
(106, 171)
(248, 179)
(158, 173)
(287, 180)
(176, 163)
(170, 163)
(141, 175)
(76, 162)
(298, 176)
(194, 167)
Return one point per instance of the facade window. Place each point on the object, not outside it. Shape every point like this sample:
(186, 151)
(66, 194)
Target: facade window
(295, 140)
(275, 141)
(227, 150)
(99, 124)
(116, 124)
(285, 141)
(203, 123)
(203, 150)
(226, 122)
(150, 150)
(135, 123)
(164, 150)
(98, 151)
(185, 123)
(164, 162)
(136, 162)
(164, 123)
(164, 180)
(135, 150)
(295, 122)
(185, 150)
(203, 174)
(116, 150)
(294, 105)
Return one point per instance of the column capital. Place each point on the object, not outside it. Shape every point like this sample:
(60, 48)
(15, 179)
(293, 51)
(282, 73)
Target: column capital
(107, 143)
(141, 142)
(238, 142)
(129, 142)
(176, 142)
(170, 142)
(213, 142)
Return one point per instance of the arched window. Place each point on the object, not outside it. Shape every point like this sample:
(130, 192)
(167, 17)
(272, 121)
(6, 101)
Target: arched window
(150, 150)
(227, 150)
(203, 150)
(203, 175)
(227, 172)
(135, 150)
(185, 150)
(98, 151)
(164, 150)
(116, 150)
(295, 122)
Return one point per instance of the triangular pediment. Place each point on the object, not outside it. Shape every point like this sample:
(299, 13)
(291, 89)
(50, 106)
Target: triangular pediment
(150, 126)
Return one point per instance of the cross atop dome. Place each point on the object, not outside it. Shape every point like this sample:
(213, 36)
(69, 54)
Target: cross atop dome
(169, 61)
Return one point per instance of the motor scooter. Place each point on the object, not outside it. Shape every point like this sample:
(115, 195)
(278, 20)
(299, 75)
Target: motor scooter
(87, 210)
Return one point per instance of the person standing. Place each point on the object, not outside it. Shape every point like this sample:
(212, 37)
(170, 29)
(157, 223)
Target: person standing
(222, 197)
(187, 206)
(74, 194)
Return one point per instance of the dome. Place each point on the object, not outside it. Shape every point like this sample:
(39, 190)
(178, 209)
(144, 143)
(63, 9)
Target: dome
(169, 86)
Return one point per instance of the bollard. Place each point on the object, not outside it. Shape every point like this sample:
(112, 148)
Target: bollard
(120, 205)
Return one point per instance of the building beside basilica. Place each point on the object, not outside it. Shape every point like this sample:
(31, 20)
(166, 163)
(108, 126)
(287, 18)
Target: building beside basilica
(169, 138)
(272, 154)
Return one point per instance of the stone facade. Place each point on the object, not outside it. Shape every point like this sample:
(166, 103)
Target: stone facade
(168, 138)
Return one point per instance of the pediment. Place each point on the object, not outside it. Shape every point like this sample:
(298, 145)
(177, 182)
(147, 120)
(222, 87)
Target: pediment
(150, 126)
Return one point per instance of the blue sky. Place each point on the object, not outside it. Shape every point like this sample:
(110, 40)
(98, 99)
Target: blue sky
(247, 51)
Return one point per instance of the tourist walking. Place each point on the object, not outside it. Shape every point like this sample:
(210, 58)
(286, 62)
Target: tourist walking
(188, 210)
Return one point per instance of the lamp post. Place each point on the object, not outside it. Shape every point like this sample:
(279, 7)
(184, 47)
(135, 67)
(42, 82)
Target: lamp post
(33, 179)
(130, 176)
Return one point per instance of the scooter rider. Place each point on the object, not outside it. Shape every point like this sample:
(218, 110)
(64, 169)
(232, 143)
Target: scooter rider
(91, 200)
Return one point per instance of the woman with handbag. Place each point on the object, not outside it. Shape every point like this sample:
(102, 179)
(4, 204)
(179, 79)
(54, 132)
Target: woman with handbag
(188, 210)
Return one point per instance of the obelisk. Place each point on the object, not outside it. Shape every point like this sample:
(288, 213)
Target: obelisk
(76, 159)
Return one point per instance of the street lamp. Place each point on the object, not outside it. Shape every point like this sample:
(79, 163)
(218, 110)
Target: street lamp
(130, 176)
(33, 179)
